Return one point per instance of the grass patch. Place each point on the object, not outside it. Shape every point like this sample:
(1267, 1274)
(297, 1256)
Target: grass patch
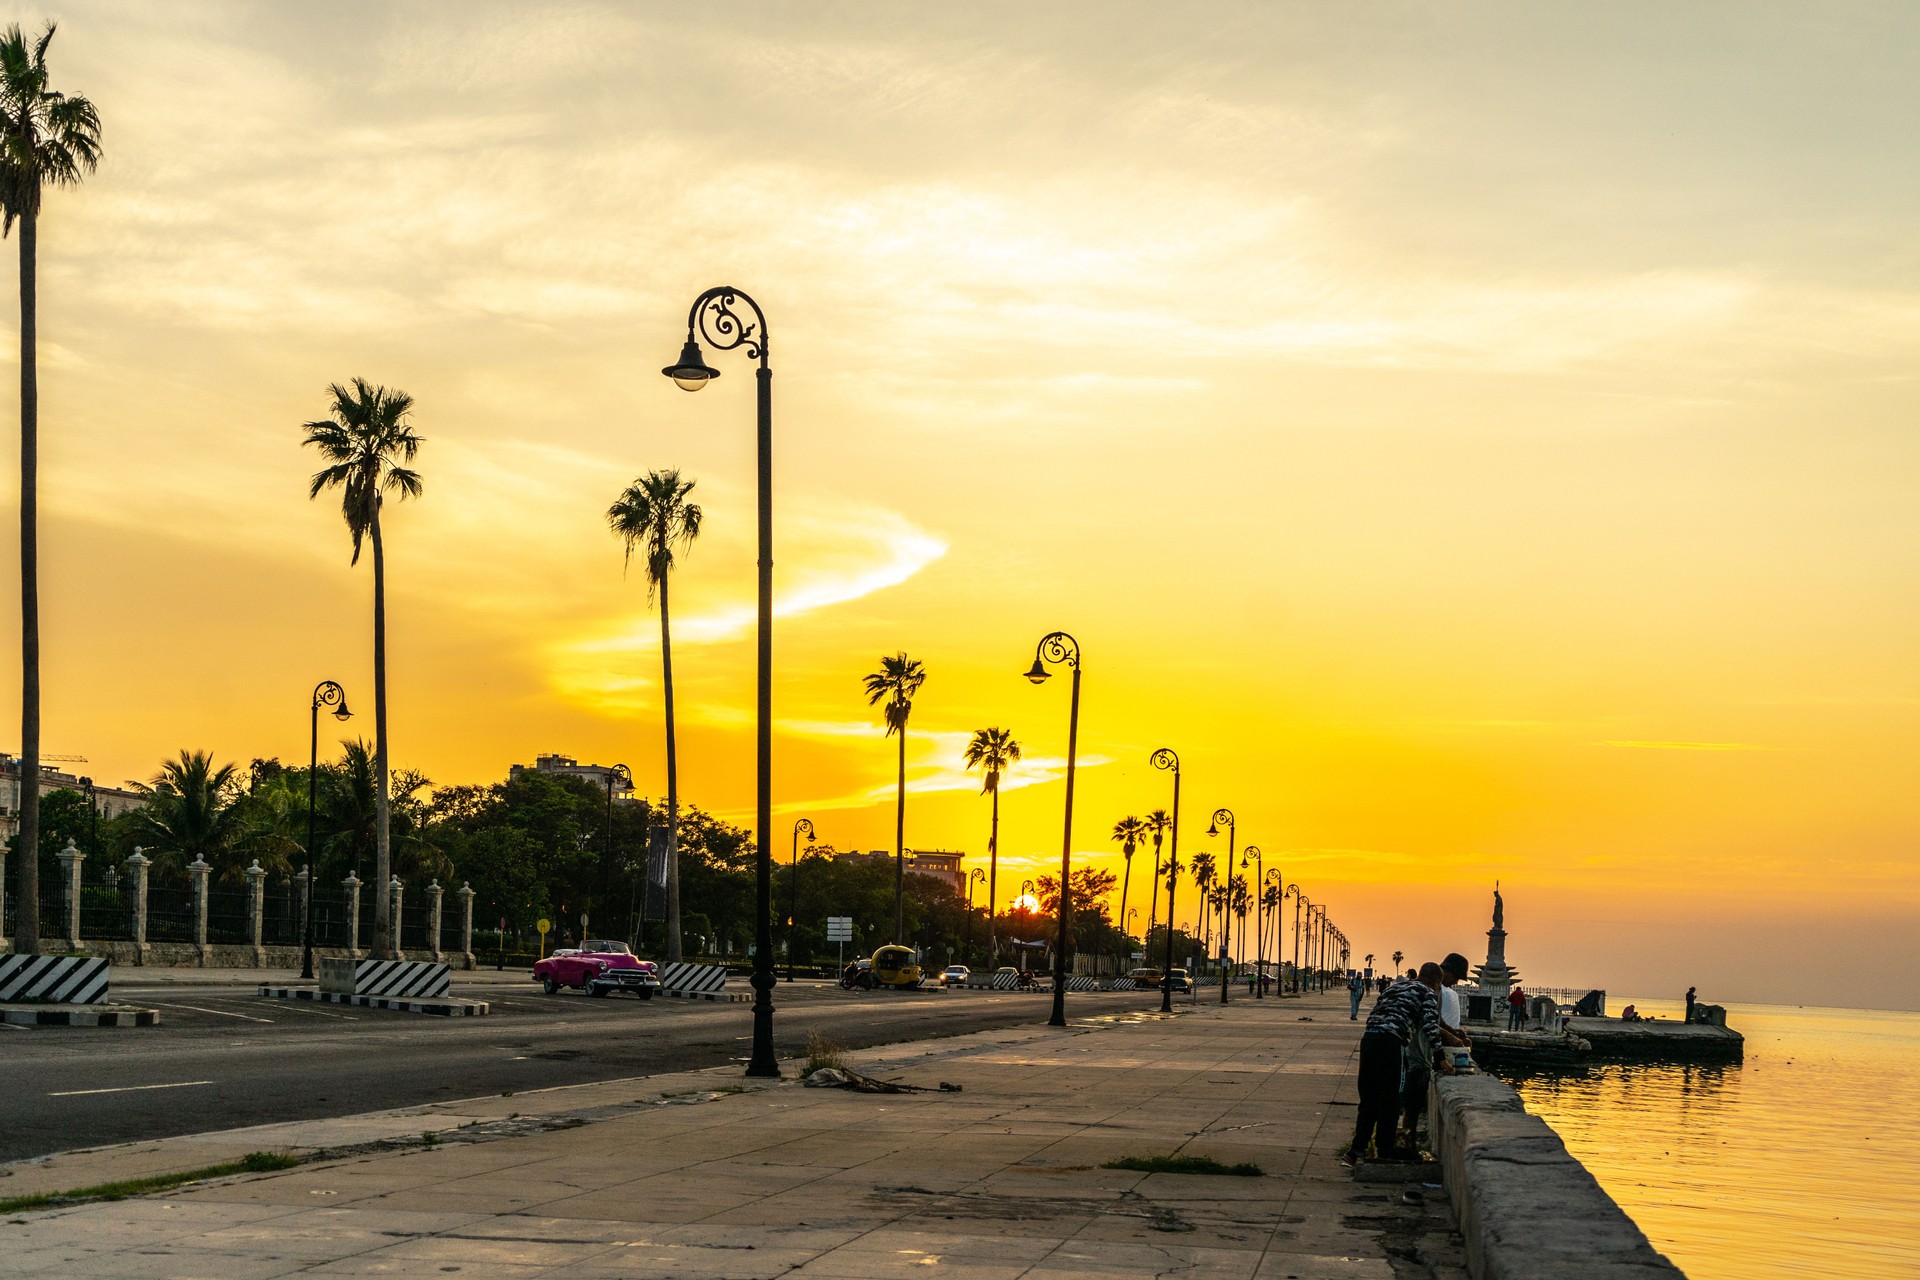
(823, 1052)
(1183, 1164)
(252, 1162)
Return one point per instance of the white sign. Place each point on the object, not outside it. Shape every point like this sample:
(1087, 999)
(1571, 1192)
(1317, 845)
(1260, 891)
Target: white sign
(839, 928)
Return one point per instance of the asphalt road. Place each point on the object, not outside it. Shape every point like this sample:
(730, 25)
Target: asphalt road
(224, 1057)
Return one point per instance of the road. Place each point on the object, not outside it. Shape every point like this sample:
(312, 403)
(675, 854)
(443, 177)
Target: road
(225, 1057)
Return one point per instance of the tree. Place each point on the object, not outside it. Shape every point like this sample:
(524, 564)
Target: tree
(46, 138)
(192, 812)
(1203, 878)
(368, 444)
(995, 751)
(897, 680)
(1159, 823)
(1130, 831)
(653, 514)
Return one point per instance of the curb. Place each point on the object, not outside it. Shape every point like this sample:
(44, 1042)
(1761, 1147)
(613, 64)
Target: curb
(69, 1015)
(721, 997)
(439, 1008)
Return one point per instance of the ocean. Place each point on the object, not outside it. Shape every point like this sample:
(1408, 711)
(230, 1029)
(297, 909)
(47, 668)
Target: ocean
(1803, 1160)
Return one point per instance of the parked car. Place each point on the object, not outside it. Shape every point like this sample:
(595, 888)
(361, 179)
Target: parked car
(1178, 980)
(599, 967)
(1146, 977)
(955, 975)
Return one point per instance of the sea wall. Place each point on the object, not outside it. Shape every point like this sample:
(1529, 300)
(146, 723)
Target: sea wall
(1527, 1209)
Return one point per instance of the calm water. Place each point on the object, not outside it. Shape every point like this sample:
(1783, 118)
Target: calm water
(1802, 1161)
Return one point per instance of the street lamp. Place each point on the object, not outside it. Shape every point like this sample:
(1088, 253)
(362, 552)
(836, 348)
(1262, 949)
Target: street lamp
(617, 774)
(1272, 898)
(978, 875)
(713, 318)
(1259, 916)
(1299, 900)
(1165, 758)
(1226, 941)
(801, 826)
(325, 694)
(1058, 648)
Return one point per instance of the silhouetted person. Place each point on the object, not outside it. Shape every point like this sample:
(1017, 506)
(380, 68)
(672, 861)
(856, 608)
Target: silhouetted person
(1356, 987)
(1516, 1010)
(1406, 1008)
(1689, 1005)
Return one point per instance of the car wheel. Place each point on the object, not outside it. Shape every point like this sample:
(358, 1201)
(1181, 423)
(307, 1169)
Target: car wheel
(646, 993)
(551, 987)
(595, 989)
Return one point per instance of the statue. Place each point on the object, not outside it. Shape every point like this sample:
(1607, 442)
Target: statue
(1496, 977)
(1499, 907)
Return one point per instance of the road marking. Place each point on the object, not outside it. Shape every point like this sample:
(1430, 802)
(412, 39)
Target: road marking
(131, 1088)
(244, 1017)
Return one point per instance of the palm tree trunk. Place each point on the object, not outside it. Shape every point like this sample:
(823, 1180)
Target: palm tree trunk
(1126, 878)
(993, 881)
(1153, 898)
(26, 939)
(383, 925)
(900, 847)
(673, 785)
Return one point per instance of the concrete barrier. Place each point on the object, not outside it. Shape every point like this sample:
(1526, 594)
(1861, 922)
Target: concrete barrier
(1526, 1208)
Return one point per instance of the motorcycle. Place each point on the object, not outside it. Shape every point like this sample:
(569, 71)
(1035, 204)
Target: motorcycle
(856, 978)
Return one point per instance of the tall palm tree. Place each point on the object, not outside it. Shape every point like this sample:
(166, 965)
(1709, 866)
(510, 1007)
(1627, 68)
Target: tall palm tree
(1158, 823)
(654, 516)
(367, 444)
(1203, 878)
(995, 751)
(897, 680)
(1130, 832)
(46, 139)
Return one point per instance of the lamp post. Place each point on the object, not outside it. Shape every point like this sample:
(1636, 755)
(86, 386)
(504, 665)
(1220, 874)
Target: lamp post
(1165, 758)
(616, 775)
(801, 826)
(1259, 916)
(977, 876)
(325, 694)
(714, 318)
(1058, 648)
(1299, 900)
(1226, 940)
(1273, 897)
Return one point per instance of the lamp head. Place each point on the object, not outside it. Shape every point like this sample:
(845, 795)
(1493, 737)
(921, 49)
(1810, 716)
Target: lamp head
(343, 713)
(1212, 829)
(1037, 673)
(691, 372)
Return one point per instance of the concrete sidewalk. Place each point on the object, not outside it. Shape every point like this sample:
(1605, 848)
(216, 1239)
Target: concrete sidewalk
(683, 1177)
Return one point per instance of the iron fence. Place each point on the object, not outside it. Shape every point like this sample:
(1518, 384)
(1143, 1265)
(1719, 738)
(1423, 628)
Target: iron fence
(169, 913)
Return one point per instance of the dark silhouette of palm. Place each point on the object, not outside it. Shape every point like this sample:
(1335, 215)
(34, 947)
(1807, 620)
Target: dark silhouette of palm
(1159, 824)
(895, 683)
(1130, 832)
(367, 445)
(995, 751)
(47, 139)
(654, 517)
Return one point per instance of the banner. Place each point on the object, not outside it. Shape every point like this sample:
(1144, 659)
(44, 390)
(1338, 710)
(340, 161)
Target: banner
(656, 894)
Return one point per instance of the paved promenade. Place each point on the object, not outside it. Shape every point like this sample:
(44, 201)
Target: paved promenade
(703, 1174)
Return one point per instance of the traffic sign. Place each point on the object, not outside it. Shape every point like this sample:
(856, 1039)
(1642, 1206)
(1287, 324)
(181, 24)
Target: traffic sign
(839, 928)
(543, 924)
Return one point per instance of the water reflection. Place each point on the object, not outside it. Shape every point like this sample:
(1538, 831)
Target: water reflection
(1803, 1160)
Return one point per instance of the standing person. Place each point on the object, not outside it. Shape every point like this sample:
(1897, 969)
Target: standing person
(1690, 991)
(1452, 970)
(1356, 987)
(1405, 1008)
(1416, 1064)
(1516, 1010)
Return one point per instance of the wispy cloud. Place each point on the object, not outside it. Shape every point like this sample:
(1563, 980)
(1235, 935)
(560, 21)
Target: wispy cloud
(1646, 744)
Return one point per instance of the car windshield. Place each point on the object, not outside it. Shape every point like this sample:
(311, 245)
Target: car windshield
(605, 947)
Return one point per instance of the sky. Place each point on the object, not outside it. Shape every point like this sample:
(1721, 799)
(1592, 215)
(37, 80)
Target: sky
(1479, 440)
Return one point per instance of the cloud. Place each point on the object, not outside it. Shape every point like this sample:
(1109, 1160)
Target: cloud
(1654, 745)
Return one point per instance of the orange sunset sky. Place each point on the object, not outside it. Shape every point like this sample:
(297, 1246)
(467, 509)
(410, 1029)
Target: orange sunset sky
(1481, 441)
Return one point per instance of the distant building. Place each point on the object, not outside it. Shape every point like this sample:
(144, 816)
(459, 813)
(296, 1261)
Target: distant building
(935, 864)
(111, 801)
(600, 775)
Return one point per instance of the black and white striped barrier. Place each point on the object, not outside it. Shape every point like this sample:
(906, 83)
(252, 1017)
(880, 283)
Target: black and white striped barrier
(1005, 981)
(390, 979)
(1125, 984)
(53, 980)
(717, 997)
(439, 1008)
(80, 1016)
(1082, 984)
(680, 977)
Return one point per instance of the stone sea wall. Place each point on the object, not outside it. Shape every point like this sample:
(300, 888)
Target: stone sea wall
(1527, 1208)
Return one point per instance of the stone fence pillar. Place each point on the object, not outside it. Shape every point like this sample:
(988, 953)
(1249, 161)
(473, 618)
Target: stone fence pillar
(70, 860)
(301, 889)
(434, 895)
(137, 868)
(197, 872)
(398, 891)
(353, 916)
(256, 909)
(465, 894)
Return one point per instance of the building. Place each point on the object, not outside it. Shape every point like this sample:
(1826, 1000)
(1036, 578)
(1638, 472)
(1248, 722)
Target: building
(111, 801)
(600, 775)
(935, 864)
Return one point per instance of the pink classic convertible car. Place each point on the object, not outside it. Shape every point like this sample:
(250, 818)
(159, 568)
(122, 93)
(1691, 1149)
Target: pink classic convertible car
(598, 966)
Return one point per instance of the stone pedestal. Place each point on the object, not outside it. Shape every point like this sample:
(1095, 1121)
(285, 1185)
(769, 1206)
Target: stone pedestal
(465, 894)
(256, 910)
(397, 891)
(434, 894)
(353, 916)
(197, 872)
(137, 869)
(70, 860)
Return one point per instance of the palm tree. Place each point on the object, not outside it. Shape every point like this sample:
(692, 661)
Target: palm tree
(367, 444)
(1203, 877)
(897, 680)
(1130, 831)
(653, 514)
(995, 751)
(46, 138)
(1159, 823)
(192, 812)
(1398, 956)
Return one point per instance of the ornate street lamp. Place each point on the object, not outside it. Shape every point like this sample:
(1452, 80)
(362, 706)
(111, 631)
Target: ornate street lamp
(801, 827)
(1226, 941)
(1252, 851)
(621, 777)
(1058, 648)
(714, 318)
(979, 875)
(325, 694)
(1165, 758)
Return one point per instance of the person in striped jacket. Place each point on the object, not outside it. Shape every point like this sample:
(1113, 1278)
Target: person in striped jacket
(1406, 1009)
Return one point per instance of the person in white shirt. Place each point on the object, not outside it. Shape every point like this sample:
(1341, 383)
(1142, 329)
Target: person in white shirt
(1452, 970)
